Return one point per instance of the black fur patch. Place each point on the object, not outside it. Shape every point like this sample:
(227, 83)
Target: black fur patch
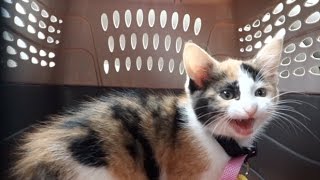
(135, 149)
(130, 119)
(201, 109)
(234, 88)
(158, 115)
(254, 73)
(178, 123)
(88, 150)
(192, 86)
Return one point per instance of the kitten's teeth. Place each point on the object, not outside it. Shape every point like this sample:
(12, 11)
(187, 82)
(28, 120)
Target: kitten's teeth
(243, 127)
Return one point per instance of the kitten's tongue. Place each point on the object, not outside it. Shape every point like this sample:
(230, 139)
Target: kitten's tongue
(243, 127)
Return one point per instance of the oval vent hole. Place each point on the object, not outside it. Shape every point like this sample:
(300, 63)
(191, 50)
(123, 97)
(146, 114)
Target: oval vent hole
(278, 9)
(315, 70)
(249, 48)
(296, 25)
(316, 55)
(290, 48)
(258, 34)
(247, 27)
(299, 71)
(284, 74)
(256, 23)
(310, 3)
(301, 57)
(294, 11)
(313, 18)
(286, 61)
(266, 17)
(248, 37)
(106, 66)
(280, 20)
(268, 28)
(307, 42)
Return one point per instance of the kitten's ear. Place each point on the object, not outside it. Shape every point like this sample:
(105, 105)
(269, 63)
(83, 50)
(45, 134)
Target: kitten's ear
(269, 57)
(198, 63)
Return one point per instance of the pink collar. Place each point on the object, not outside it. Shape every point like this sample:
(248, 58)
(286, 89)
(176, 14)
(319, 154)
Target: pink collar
(233, 167)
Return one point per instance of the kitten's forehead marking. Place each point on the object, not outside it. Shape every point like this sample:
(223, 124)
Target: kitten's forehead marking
(246, 82)
(231, 69)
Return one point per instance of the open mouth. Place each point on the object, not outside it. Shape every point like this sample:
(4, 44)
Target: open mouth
(243, 127)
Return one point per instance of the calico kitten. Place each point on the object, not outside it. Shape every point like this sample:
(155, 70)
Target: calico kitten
(147, 136)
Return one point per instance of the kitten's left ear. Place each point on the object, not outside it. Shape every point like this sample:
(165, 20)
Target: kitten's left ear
(269, 57)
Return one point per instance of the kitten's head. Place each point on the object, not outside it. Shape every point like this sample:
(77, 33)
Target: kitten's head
(233, 98)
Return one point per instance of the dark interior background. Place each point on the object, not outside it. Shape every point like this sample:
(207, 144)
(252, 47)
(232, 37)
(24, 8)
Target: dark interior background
(289, 150)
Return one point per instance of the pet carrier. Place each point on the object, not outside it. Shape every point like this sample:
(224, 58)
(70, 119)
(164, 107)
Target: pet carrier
(54, 52)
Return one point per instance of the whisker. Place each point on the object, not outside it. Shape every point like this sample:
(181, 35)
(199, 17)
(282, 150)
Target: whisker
(301, 124)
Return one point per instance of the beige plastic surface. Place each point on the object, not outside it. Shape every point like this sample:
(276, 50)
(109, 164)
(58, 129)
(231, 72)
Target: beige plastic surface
(139, 43)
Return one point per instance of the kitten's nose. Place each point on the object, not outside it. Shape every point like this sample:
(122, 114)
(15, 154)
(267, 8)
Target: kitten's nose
(251, 110)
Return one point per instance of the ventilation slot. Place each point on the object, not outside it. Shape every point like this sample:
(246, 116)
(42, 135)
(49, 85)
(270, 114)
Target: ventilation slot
(258, 34)
(11, 63)
(290, 48)
(315, 70)
(301, 57)
(171, 65)
(128, 63)
(248, 38)
(294, 11)
(128, 18)
(299, 71)
(268, 28)
(197, 26)
(296, 25)
(278, 9)
(313, 18)
(160, 64)
(116, 19)
(280, 20)
(139, 17)
(186, 22)
(104, 21)
(138, 63)
(117, 64)
(247, 27)
(163, 18)
(5, 13)
(149, 63)
(106, 66)
(284, 74)
(175, 20)
(151, 17)
(307, 42)
(316, 55)
(266, 17)
(256, 23)
(310, 3)
(286, 61)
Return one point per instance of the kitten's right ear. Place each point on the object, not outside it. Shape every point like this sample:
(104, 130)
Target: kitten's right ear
(198, 63)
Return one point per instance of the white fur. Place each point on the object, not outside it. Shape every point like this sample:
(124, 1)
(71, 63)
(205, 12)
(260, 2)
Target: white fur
(237, 108)
(89, 173)
(215, 152)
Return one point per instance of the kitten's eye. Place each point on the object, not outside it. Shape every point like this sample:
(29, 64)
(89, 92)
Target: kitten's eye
(261, 92)
(227, 94)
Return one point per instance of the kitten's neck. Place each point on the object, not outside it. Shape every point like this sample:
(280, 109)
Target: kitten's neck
(231, 147)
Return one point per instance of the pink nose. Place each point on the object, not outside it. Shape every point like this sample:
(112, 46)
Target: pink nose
(251, 110)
